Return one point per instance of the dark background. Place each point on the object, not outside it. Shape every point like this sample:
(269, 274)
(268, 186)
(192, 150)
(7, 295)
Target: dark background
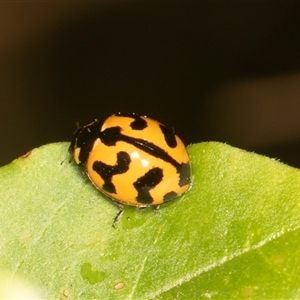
(220, 71)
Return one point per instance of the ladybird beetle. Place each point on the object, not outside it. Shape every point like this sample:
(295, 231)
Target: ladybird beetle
(133, 160)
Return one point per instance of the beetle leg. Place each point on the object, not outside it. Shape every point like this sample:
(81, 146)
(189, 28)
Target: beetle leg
(119, 213)
(156, 209)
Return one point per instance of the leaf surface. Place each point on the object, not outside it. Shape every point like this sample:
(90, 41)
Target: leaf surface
(234, 234)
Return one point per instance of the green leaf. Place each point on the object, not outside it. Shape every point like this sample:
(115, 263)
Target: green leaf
(234, 234)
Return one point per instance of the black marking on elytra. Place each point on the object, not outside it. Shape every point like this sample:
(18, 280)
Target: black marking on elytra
(169, 196)
(84, 138)
(107, 171)
(147, 182)
(138, 124)
(169, 135)
(110, 136)
(184, 174)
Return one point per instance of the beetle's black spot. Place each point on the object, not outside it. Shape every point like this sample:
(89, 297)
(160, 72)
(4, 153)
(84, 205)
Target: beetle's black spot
(184, 174)
(169, 196)
(110, 135)
(109, 187)
(107, 172)
(168, 135)
(147, 182)
(138, 124)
